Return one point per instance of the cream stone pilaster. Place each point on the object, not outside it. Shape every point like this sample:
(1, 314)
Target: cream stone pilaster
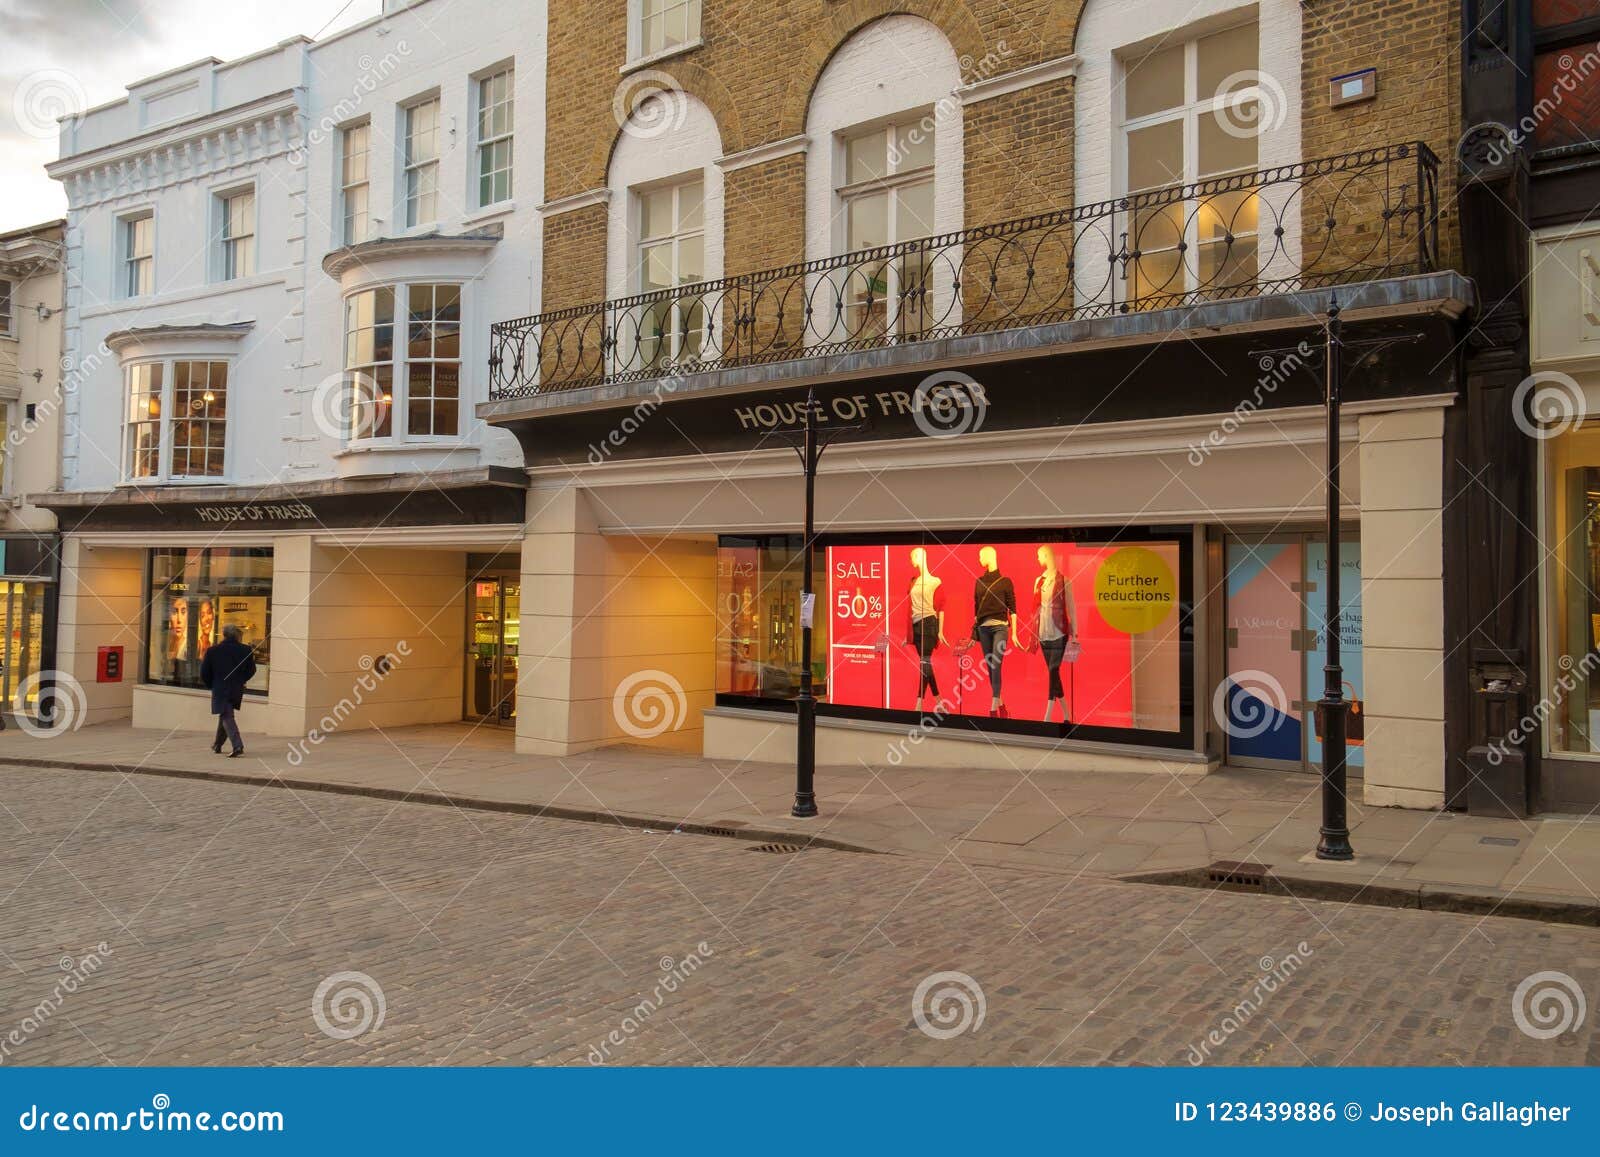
(1402, 592)
(101, 604)
(618, 632)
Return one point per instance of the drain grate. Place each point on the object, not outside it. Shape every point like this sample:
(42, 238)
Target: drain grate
(1499, 841)
(1240, 873)
(778, 849)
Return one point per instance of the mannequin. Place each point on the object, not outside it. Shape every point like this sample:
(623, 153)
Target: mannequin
(1054, 625)
(994, 615)
(926, 603)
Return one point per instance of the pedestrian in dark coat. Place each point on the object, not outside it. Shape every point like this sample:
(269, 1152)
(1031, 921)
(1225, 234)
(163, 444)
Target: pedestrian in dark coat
(226, 668)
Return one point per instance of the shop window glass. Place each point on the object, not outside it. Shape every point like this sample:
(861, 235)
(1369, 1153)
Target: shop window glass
(1054, 634)
(194, 593)
(759, 581)
(1572, 568)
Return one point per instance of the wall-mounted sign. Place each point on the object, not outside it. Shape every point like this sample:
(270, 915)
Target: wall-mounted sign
(479, 503)
(1353, 87)
(1059, 391)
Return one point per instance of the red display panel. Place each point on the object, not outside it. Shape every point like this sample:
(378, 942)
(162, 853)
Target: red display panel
(1122, 611)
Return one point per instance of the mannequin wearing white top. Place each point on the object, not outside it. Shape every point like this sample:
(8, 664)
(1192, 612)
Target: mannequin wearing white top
(1053, 636)
(927, 622)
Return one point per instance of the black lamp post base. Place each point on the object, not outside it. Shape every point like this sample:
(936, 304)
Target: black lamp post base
(1335, 846)
(805, 806)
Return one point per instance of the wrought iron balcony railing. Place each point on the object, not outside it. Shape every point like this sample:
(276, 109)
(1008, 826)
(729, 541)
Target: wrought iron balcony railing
(1355, 217)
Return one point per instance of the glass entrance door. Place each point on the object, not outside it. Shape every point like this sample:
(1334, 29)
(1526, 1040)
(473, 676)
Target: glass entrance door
(494, 618)
(22, 618)
(1276, 619)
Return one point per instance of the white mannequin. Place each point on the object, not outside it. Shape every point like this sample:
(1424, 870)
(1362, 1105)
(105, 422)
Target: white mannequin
(990, 561)
(1052, 574)
(930, 585)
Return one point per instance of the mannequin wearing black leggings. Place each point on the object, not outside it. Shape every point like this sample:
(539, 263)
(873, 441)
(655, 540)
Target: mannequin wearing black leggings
(1053, 623)
(927, 623)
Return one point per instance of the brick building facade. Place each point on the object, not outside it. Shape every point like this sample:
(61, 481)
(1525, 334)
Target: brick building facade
(1033, 268)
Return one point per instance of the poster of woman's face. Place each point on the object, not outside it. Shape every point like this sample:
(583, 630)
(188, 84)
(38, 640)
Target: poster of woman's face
(208, 623)
(178, 630)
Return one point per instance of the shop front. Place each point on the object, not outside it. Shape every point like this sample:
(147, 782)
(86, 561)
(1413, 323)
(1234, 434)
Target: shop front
(1097, 558)
(1559, 407)
(29, 570)
(374, 602)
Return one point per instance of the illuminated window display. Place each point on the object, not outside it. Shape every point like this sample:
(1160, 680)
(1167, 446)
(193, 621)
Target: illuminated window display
(1572, 594)
(758, 619)
(194, 593)
(1057, 634)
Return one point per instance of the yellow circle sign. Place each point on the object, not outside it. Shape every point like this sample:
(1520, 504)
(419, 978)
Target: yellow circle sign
(1134, 590)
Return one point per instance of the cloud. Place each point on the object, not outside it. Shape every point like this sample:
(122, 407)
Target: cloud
(75, 27)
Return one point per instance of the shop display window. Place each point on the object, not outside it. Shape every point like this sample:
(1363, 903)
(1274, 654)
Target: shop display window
(1572, 602)
(194, 593)
(759, 580)
(1060, 633)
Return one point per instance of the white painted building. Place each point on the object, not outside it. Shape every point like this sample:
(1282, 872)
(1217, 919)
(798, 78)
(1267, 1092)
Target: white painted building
(279, 270)
(31, 395)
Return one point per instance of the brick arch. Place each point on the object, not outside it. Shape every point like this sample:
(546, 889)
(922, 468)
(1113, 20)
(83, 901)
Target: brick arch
(693, 81)
(1048, 35)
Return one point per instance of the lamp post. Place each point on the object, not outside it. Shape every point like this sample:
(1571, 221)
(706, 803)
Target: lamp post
(810, 444)
(1335, 841)
(805, 771)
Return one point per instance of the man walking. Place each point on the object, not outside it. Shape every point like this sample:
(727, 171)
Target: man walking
(226, 668)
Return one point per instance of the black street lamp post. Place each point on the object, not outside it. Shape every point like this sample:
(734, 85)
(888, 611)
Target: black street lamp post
(808, 441)
(1335, 842)
(805, 772)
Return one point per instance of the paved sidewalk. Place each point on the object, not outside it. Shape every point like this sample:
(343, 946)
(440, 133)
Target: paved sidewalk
(1093, 824)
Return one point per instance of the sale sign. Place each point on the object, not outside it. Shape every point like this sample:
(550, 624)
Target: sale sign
(858, 670)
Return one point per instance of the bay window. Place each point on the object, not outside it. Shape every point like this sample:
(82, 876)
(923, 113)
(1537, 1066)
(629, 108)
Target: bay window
(175, 426)
(1189, 115)
(403, 361)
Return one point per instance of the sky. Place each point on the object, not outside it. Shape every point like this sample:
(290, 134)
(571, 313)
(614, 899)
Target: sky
(67, 55)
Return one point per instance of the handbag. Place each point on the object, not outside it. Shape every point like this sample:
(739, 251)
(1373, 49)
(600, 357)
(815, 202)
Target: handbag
(1072, 651)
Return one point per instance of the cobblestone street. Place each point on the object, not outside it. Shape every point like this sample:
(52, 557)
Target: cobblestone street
(500, 939)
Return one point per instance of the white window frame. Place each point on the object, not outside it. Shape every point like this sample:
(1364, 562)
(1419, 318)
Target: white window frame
(225, 262)
(890, 184)
(125, 259)
(400, 367)
(637, 52)
(164, 475)
(347, 186)
(640, 244)
(483, 143)
(408, 165)
(1193, 109)
(8, 423)
(8, 305)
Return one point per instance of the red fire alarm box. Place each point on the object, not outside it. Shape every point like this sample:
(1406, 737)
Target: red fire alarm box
(110, 667)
